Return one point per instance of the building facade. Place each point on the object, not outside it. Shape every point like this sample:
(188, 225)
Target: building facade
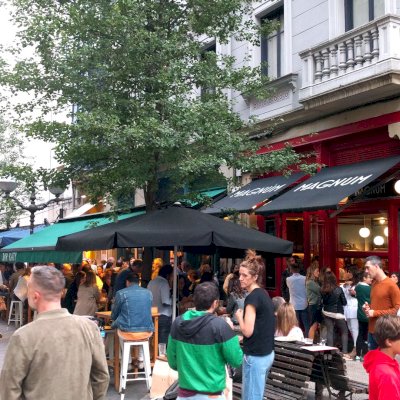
(334, 67)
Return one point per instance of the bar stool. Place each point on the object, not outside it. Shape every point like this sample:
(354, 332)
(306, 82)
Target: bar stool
(128, 340)
(16, 312)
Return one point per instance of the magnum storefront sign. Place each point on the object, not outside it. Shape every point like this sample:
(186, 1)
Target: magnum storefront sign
(352, 180)
(327, 188)
(246, 198)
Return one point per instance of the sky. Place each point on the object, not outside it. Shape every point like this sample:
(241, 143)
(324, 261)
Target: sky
(38, 152)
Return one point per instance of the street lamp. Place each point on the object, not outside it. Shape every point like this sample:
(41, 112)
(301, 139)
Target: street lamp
(9, 186)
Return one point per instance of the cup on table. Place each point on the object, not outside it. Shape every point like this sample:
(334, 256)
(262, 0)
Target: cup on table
(162, 349)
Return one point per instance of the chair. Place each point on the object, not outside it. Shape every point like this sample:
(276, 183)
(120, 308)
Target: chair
(129, 340)
(16, 312)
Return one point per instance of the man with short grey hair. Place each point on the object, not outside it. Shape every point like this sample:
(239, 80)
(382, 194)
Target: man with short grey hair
(56, 341)
(385, 297)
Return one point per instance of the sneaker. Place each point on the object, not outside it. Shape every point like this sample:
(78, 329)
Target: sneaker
(357, 358)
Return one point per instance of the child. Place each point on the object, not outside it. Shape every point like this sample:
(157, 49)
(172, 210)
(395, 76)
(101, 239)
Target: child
(383, 369)
(286, 322)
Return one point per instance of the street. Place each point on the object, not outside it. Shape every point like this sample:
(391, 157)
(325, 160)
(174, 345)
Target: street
(137, 390)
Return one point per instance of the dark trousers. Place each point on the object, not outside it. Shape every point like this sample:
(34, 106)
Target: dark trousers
(372, 345)
(361, 345)
(344, 333)
(164, 328)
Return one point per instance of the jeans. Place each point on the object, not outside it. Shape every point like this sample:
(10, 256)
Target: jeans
(200, 396)
(372, 345)
(341, 324)
(255, 371)
(302, 318)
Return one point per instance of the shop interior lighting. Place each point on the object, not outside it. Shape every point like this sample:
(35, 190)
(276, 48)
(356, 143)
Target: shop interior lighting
(379, 240)
(382, 220)
(397, 186)
(364, 232)
(386, 231)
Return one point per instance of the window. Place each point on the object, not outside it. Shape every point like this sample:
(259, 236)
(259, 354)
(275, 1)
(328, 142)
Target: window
(272, 49)
(208, 90)
(363, 233)
(359, 12)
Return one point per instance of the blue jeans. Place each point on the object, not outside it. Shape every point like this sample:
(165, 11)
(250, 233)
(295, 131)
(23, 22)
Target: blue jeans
(255, 371)
(372, 345)
(302, 317)
(203, 397)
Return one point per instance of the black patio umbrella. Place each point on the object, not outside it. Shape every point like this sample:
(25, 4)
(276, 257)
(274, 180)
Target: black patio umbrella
(176, 227)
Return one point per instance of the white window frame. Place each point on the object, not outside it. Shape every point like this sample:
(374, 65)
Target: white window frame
(260, 11)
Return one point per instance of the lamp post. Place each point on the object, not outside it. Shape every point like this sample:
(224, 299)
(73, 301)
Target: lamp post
(9, 186)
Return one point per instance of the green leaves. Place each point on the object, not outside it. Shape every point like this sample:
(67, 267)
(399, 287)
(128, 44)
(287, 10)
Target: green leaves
(134, 70)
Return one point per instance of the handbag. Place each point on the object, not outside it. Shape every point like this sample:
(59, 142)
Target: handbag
(172, 391)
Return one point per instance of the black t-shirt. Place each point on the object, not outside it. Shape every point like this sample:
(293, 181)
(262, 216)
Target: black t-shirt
(261, 342)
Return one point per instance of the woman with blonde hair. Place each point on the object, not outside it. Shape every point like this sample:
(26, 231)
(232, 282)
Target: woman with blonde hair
(286, 322)
(313, 291)
(257, 323)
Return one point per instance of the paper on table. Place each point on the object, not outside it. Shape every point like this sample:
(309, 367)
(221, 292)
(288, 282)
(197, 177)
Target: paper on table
(318, 348)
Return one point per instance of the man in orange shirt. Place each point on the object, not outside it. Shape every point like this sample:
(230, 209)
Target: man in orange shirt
(385, 297)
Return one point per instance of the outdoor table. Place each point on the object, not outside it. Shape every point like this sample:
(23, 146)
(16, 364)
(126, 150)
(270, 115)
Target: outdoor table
(106, 316)
(322, 355)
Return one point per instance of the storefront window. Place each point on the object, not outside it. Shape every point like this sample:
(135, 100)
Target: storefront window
(294, 228)
(349, 264)
(363, 232)
(316, 226)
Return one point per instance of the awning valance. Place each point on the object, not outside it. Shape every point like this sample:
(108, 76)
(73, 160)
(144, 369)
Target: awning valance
(246, 198)
(329, 187)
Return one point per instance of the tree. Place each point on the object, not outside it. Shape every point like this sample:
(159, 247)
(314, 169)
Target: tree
(130, 67)
(30, 180)
(11, 148)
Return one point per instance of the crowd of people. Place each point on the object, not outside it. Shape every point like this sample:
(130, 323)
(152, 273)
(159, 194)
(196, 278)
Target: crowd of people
(314, 305)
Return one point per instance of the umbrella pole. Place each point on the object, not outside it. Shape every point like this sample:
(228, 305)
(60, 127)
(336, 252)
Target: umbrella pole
(174, 283)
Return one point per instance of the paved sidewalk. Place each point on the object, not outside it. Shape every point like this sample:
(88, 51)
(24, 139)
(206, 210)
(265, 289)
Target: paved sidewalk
(137, 390)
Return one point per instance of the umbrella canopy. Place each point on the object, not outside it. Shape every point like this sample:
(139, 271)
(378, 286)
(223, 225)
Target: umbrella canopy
(175, 226)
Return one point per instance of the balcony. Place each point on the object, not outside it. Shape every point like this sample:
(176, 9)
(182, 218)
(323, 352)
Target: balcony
(359, 67)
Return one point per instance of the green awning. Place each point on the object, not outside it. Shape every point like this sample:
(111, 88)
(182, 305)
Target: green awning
(211, 193)
(39, 247)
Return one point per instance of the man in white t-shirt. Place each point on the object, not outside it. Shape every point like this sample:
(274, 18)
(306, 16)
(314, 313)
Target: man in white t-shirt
(298, 296)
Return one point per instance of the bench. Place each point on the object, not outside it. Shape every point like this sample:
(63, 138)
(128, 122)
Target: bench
(293, 368)
(337, 375)
(289, 375)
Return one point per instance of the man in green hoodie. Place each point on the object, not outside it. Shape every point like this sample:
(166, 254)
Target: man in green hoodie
(200, 345)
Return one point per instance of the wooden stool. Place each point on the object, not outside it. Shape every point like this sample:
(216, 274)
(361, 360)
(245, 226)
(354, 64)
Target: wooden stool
(16, 312)
(128, 340)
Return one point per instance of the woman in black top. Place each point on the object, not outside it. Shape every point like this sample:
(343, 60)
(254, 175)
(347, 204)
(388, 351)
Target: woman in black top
(333, 300)
(257, 323)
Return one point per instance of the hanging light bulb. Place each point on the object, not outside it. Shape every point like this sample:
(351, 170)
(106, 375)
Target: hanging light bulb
(379, 240)
(364, 232)
(397, 186)
(382, 220)
(386, 231)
